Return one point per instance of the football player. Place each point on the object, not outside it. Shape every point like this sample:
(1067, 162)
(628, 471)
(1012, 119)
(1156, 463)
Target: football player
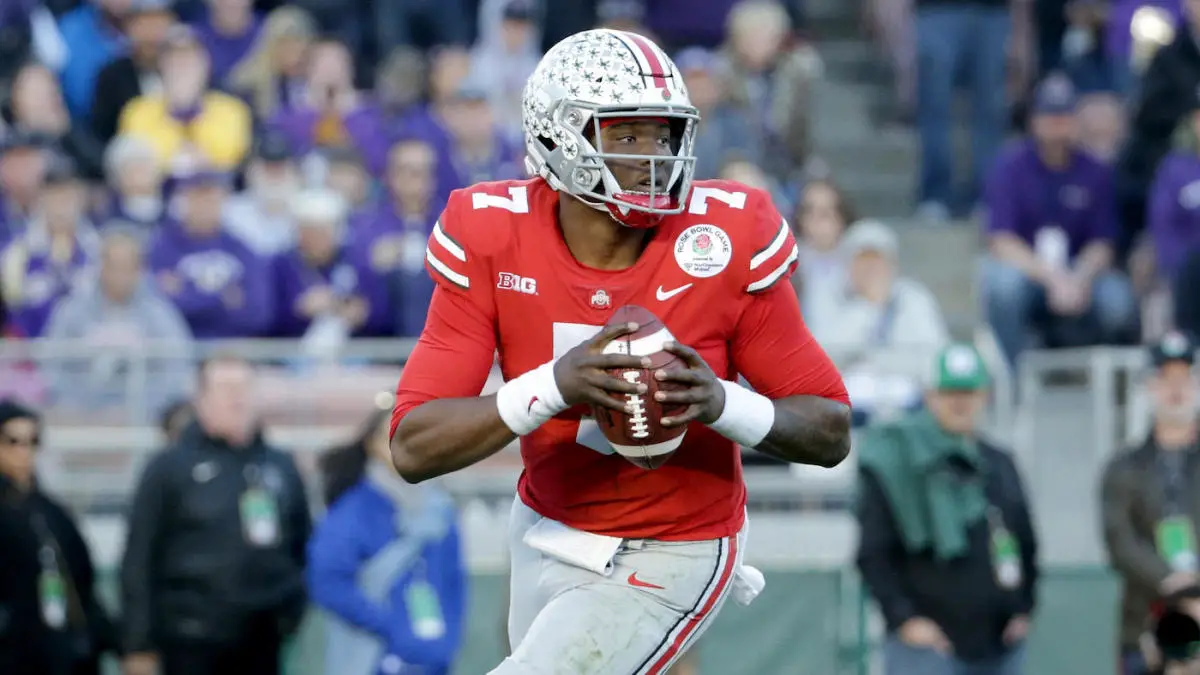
(615, 570)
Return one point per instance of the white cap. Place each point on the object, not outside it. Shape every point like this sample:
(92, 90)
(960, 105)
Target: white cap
(870, 235)
(319, 207)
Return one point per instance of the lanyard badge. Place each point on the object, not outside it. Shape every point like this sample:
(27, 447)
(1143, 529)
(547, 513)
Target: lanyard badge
(1006, 552)
(424, 608)
(260, 517)
(1176, 541)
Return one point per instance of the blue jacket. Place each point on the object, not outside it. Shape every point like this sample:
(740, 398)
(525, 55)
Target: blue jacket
(376, 541)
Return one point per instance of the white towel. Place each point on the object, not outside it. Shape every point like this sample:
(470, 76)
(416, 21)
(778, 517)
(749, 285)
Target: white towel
(593, 552)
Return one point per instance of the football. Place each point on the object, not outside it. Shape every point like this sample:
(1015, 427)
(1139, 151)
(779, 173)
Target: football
(637, 434)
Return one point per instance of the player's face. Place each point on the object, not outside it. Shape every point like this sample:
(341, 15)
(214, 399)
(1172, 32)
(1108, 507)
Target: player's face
(1173, 389)
(956, 411)
(638, 137)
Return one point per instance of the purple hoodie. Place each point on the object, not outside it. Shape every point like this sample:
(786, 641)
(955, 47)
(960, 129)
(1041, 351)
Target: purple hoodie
(1173, 213)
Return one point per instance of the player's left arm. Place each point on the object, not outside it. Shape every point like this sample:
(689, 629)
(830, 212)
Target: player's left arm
(799, 410)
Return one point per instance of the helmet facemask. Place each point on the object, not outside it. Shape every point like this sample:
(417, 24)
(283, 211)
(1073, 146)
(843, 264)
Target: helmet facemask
(577, 142)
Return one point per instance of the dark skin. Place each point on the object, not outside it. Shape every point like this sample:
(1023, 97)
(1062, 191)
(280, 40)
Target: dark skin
(445, 435)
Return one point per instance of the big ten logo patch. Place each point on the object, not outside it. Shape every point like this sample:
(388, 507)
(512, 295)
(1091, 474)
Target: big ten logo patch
(512, 282)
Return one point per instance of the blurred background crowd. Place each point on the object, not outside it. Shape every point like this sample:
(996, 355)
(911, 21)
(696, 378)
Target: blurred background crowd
(257, 178)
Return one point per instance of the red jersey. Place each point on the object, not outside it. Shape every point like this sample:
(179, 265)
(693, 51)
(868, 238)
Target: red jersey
(716, 275)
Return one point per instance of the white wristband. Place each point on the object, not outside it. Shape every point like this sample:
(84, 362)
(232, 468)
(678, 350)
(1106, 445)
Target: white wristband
(748, 415)
(528, 401)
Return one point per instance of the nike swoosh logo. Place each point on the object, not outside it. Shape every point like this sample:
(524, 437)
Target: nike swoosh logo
(633, 580)
(529, 410)
(663, 296)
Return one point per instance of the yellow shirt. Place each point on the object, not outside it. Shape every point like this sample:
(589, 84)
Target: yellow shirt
(221, 132)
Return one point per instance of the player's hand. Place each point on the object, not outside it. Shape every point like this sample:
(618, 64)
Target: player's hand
(705, 397)
(581, 377)
(921, 632)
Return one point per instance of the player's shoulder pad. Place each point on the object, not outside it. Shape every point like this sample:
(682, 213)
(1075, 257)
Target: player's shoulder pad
(768, 251)
(476, 224)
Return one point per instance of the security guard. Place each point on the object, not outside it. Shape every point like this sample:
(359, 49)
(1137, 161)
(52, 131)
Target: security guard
(1148, 499)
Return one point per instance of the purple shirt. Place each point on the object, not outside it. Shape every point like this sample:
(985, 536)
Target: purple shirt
(1025, 198)
(366, 126)
(395, 248)
(1173, 212)
(689, 22)
(45, 281)
(226, 51)
(349, 275)
(222, 289)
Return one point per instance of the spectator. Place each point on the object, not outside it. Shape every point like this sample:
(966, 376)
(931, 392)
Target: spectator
(221, 288)
(1170, 645)
(1051, 228)
(53, 256)
(261, 215)
(135, 177)
(946, 537)
(880, 314)
(478, 150)
(890, 24)
(771, 83)
(327, 288)
(120, 317)
(228, 31)
(1164, 97)
(395, 230)
(623, 15)
(92, 33)
(503, 60)
(822, 218)
(36, 107)
(386, 564)
(272, 75)
(346, 175)
(334, 113)
(400, 83)
(448, 69)
(424, 24)
(1147, 498)
(54, 624)
(187, 117)
(134, 73)
(212, 578)
(725, 131)
(22, 168)
(1172, 220)
(950, 37)
(176, 418)
(680, 23)
(1101, 119)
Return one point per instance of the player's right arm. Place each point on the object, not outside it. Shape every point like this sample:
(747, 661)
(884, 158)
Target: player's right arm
(440, 423)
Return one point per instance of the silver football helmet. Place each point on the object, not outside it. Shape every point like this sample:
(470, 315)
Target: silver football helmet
(597, 76)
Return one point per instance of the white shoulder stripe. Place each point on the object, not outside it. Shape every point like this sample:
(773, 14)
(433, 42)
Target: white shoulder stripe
(444, 269)
(448, 243)
(771, 278)
(773, 248)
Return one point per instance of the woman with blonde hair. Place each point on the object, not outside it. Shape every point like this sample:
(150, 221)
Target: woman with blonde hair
(272, 76)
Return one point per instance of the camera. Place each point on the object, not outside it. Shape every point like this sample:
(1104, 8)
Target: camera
(1176, 631)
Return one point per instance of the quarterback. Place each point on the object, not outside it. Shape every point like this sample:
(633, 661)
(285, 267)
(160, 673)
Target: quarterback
(616, 570)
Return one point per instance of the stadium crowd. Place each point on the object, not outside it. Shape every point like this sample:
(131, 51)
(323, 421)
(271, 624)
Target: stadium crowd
(175, 172)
